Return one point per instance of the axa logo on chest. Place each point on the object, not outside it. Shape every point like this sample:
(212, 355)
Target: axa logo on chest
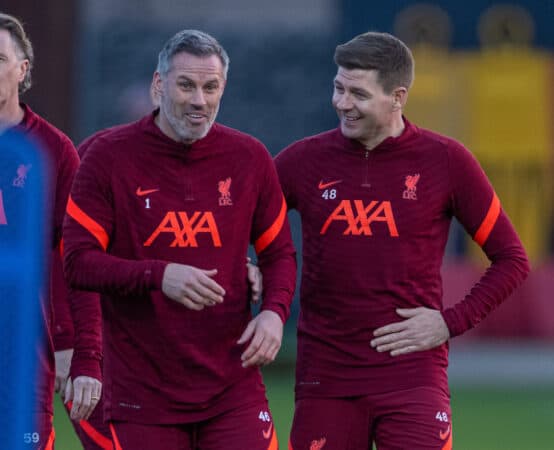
(358, 217)
(185, 228)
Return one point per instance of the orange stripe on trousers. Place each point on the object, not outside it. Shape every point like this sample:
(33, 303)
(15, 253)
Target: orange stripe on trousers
(50, 442)
(273, 445)
(98, 438)
(115, 439)
(271, 233)
(88, 223)
(448, 444)
(490, 219)
(290, 446)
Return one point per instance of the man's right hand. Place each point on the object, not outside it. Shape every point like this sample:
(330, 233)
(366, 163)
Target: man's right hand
(192, 287)
(84, 394)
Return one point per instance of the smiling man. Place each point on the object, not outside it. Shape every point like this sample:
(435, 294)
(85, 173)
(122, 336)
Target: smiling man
(376, 197)
(159, 221)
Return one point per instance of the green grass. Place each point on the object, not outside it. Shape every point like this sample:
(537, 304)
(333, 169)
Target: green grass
(66, 439)
(484, 418)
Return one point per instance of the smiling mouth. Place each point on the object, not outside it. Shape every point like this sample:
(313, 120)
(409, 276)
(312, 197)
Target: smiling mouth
(196, 119)
(351, 118)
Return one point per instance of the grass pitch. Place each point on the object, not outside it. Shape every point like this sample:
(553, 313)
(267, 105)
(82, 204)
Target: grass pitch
(483, 418)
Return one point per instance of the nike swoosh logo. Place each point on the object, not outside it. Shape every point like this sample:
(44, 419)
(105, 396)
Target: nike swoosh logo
(267, 433)
(140, 192)
(444, 435)
(323, 185)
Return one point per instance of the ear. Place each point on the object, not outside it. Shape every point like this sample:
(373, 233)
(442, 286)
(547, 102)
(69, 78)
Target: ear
(157, 84)
(23, 68)
(155, 89)
(399, 98)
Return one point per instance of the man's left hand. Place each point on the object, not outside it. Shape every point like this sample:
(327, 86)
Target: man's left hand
(265, 332)
(422, 329)
(255, 281)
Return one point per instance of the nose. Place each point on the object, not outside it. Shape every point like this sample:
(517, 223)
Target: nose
(343, 102)
(198, 98)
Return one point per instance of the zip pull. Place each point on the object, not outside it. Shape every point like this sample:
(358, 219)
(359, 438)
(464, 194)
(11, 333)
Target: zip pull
(365, 181)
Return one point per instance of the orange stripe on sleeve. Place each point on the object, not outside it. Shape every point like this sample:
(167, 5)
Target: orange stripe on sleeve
(271, 233)
(115, 439)
(88, 223)
(490, 219)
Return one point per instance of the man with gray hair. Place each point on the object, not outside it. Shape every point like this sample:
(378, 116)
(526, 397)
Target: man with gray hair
(16, 62)
(159, 220)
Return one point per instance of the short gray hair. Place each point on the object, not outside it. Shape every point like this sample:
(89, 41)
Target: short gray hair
(23, 46)
(194, 42)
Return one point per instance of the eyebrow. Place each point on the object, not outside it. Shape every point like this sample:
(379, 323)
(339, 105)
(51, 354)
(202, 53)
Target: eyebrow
(184, 77)
(360, 91)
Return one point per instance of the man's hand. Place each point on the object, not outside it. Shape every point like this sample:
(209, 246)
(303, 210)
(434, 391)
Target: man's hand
(265, 332)
(63, 363)
(255, 279)
(192, 287)
(423, 329)
(85, 394)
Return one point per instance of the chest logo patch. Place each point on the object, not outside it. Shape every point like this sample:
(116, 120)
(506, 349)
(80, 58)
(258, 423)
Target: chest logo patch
(323, 185)
(22, 171)
(224, 188)
(142, 192)
(411, 187)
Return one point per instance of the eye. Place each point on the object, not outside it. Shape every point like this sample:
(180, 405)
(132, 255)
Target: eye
(339, 89)
(186, 85)
(360, 95)
(211, 88)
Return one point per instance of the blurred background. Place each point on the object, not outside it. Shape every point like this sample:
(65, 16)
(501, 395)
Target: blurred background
(484, 75)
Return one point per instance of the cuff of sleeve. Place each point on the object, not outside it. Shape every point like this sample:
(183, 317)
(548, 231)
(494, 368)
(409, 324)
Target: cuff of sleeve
(87, 364)
(157, 274)
(452, 322)
(62, 342)
(278, 307)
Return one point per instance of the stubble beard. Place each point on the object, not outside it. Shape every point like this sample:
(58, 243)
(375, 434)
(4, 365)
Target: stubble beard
(185, 133)
(368, 129)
